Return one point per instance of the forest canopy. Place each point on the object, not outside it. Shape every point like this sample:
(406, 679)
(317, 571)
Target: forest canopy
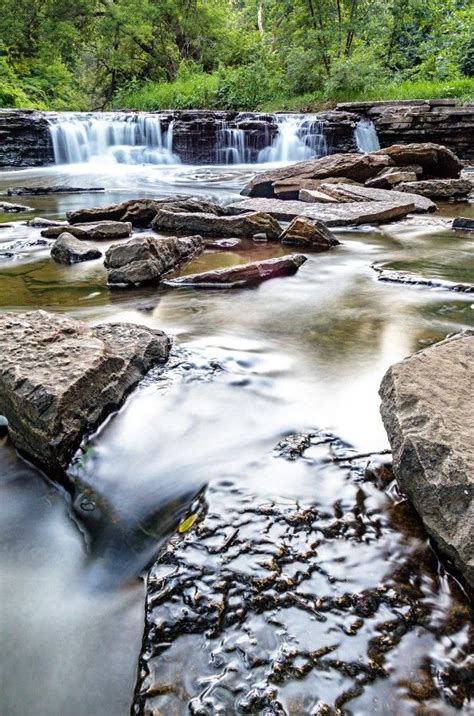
(232, 54)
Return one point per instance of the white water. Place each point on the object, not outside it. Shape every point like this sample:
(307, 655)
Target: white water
(366, 136)
(299, 137)
(112, 137)
(140, 138)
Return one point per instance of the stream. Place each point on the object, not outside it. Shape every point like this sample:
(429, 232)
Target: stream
(300, 354)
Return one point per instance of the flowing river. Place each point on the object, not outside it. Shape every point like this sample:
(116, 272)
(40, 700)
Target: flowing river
(249, 367)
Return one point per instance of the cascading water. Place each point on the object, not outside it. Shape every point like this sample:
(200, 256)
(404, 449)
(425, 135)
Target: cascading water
(299, 137)
(112, 137)
(366, 136)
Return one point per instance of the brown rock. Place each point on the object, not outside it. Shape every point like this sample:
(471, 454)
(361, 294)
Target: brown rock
(354, 166)
(147, 258)
(436, 160)
(212, 225)
(309, 232)
(99, 231)
(242, 275)
(59, 378)
(439, 188)
(316, 196)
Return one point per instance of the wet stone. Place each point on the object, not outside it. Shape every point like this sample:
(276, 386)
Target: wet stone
(262, 606)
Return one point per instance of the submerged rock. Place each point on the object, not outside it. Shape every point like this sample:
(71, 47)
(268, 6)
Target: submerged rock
(211, 225)
(307, 605)
(69, 250)
(7, 207)
(463, 223)
(439, 188)
(350, 214)
(243, 274)
(99, 231)
(391, 276)
(59, 378)
(39, 190)
(428, 413)
(40, 223)
(309, 232)
(147, 258)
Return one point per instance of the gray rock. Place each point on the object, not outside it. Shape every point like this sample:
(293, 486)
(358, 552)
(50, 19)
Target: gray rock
(147, 258)
(349, 192)
(439, 188)
(390, 177)
(7, 207)
(40, 223)
(463, 223)
(314, 234)
(59, 378)
(353, 166)
(69, 250)
(315, 196)
(141, 212)
(428, 413)
(242, 275)
(211, 225)
(41, 190)
(330, 214)
(99, 231)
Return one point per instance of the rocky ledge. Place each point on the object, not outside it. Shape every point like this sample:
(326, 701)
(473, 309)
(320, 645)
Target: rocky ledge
(24, 138)
(59, 378)
(444, 121)
(428, 413)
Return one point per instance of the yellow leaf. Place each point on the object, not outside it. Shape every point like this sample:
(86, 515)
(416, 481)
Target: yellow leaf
(187, 524)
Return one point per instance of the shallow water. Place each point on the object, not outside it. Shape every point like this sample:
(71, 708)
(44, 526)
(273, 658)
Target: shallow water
(248, 367)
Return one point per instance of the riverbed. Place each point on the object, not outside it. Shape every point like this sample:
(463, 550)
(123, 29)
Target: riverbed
(299, 354)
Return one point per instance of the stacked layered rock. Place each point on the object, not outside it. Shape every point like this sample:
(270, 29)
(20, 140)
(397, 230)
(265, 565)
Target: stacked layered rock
(24, 138)
(444, 121)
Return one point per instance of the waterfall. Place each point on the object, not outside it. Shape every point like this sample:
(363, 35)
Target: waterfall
(112, 137)
(366, 136)
(231, 146)
(299, 137)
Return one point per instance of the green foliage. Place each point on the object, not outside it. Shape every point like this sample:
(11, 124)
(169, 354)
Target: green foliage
(230, 54)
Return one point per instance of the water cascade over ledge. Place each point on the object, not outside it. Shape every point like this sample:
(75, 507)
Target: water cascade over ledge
(168, 138)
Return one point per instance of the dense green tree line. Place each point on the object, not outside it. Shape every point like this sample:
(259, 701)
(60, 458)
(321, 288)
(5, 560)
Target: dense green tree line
(242, 54)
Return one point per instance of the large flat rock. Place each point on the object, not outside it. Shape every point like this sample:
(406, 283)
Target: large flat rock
(59, 378)
(362, 212)
(98, 231)
(353, 192)
(428, 412)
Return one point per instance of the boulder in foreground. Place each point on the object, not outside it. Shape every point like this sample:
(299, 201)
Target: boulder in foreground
(309, 232)
(59, 378)
(69, 250)
(100, 231)
(147, 258)
(428, 413)
(211, 225)
(242, 275)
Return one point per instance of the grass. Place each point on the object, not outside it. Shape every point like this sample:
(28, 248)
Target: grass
(461, 89)
(201, 91)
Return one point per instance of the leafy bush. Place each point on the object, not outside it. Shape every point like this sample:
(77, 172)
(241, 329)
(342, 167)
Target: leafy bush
(359, 72)
(247, 87)
(196, 91)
